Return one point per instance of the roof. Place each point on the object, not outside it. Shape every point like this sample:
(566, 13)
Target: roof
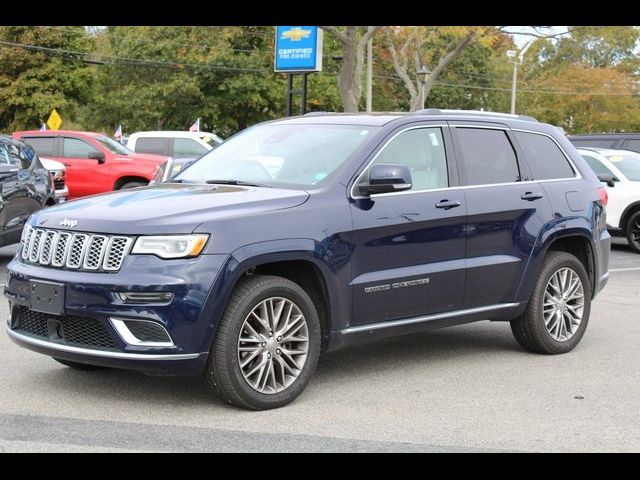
(605, 135)
(60, 132)
(608, 151)
(11, 140)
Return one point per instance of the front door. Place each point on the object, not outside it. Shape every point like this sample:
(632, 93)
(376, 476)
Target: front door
(82, 172)
(408, 257)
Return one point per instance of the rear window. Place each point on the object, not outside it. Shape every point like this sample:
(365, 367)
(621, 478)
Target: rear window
(488, 156)
(546, 160)
(151, 145)
(44, 146)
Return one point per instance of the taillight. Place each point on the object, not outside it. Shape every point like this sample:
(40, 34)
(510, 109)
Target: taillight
(604, 196)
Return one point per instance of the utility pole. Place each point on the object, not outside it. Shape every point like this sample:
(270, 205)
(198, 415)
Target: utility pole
(369, 75)
(516, 61)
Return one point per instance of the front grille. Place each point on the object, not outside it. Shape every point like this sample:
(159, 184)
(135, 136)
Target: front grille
(58, 184)
(147, 331)
(77, 251)
(65, 329)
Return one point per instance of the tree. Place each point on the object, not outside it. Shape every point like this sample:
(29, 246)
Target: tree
(354, 41)
(419, 57)
(33, 81)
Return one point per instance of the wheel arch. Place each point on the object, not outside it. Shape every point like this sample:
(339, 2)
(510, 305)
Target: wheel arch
(129, 178)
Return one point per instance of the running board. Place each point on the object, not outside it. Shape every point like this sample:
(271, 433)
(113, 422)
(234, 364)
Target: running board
(426, 318)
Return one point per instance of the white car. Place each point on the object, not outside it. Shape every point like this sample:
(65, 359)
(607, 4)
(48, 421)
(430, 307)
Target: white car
(619, 171)
(176, 144)
(58, 172)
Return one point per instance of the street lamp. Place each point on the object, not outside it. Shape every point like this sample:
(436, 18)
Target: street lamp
(423, 72)
(516, 60)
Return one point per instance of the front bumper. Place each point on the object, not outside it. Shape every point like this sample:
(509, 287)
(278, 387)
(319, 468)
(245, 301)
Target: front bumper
(93, 297)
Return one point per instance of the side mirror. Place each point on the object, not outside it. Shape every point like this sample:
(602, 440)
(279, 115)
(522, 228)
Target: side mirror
(6, 169)
(96, 155)
(608, 179)
(385, 178)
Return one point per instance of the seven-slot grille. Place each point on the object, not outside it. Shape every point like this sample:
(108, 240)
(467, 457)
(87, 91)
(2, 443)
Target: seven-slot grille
(78, 251)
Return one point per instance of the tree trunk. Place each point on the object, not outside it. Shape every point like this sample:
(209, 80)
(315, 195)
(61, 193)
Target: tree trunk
(350, 81)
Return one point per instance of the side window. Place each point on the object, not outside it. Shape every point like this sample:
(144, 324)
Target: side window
(151, 145)
(544, 157)
(75, 148)
(187, 148)
(44, 146)
(597, 166)
(633, 145)
(488, 156)
(422, 150)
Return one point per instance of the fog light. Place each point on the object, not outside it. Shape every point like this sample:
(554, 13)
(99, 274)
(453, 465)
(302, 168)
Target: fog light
(145, 297)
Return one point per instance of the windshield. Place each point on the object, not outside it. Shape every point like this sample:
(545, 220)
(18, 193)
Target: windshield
(628, 164)
(112, 145)
(280, 155)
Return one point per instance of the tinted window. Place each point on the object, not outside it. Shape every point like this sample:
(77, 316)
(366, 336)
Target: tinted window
(151, 145)
(44, 146)
(597, 166)
(546, 160)
(422, 150)
(633, 145)
(75, 148)
(187, 148)
(488, 156)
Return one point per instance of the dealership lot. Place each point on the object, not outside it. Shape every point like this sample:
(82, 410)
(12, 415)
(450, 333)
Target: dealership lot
(467, 388)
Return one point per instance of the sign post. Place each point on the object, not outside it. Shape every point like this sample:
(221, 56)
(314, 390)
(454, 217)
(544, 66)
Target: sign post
(298, 50)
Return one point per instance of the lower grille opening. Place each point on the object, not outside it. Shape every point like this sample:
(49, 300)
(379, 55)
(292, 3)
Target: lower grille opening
(147, 331)
(65, 329)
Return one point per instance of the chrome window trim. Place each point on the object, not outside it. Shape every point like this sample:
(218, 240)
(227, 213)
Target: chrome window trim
(355, 196)
(20, 338)
(129, 338)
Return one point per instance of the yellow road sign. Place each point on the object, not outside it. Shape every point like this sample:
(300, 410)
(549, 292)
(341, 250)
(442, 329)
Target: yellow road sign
(54, 121)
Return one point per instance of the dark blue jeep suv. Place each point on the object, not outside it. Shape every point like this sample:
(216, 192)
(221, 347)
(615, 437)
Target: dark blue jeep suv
(307, 234)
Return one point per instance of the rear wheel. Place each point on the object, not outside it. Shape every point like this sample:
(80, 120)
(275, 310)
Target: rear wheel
(267, 344)
(78, 366)
(558, 312)
(132, 185)
(633, 231)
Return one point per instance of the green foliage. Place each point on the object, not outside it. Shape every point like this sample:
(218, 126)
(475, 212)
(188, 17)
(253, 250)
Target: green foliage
(33, 82)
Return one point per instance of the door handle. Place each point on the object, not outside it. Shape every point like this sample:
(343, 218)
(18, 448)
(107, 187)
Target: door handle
(447, 204)
(531, 196)
(67, 164)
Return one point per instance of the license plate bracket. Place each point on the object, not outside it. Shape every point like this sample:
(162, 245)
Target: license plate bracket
(46, 297)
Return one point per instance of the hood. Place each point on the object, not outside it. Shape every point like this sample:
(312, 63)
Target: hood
(52, 165)
(165, 208)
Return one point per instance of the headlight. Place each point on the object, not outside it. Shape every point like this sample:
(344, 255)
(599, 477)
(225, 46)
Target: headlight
(171, 246)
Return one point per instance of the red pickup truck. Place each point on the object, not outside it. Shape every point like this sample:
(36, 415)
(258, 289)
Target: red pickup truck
(94, 163)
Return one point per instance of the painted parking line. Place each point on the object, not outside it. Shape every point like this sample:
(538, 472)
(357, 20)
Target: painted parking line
(628, 269)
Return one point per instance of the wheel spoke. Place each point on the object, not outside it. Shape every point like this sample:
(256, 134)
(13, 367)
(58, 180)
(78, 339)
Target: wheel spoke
(563, 303)
(273, 345)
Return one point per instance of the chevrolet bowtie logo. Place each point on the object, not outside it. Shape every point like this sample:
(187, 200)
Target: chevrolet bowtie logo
(68, 223)
(295, 34)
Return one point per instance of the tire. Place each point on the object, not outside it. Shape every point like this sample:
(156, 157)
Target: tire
(78, 366)
(224, 373)
(632, 230)
(132, 185)
(530, 329)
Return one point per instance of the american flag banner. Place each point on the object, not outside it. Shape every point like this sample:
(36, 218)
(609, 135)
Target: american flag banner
(196, 126)
(118, 133)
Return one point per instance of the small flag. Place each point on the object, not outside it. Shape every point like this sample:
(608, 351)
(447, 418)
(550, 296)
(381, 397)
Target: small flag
(196, 126)
(118, 133)
(43, 127)
(54, 121)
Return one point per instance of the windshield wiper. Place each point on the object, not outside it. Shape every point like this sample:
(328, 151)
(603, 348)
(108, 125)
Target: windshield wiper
(241, 183)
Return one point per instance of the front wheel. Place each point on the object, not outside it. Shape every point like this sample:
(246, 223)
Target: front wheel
(267, 344)
(129, 185)
(633, 231)
(558, 312)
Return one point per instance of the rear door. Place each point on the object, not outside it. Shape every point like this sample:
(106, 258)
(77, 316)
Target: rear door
(505, 211)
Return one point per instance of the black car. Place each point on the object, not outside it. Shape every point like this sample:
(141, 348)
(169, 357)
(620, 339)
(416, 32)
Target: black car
(614, 141)
(372, 225)
(26, 187)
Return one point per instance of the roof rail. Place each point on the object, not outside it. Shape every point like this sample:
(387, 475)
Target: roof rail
(438, 111)
(318, 114)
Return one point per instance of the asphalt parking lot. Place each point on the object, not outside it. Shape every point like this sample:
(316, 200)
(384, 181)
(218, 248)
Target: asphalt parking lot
(467, 388)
